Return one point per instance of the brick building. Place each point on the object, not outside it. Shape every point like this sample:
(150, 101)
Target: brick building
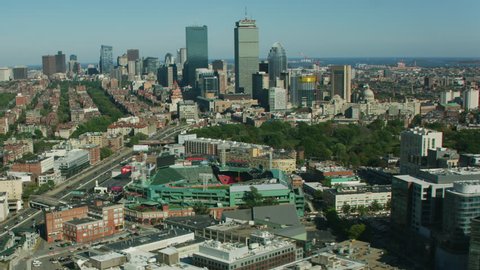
(85, 223)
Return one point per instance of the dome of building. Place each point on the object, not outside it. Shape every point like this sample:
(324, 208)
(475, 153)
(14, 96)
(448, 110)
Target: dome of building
(368, 94)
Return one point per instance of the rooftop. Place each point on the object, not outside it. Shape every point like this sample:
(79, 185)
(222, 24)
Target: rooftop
(78, 221)
(147, 239)
(454, 171)
(107, 256)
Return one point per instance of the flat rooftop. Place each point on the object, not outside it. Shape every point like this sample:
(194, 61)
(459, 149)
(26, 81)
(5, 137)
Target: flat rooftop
(147, 239)
(454, 171)
(79, 221)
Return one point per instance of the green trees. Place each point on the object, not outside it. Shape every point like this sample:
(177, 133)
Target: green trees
(356, 230)
(105, 152)
(201, 209)
(348, 144)
(252, 198)
(63, 111)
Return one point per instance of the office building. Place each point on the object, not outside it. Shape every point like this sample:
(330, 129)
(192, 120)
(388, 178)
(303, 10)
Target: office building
(417, 204)
(73, 65)
(48, 65)
(277, 99)
(73, 162)
(414, 146)
(20, 73)
(264, 252)
(474, 254)
(246, 55)
(60, 62)
(461, 204)
(4, 211)
(207, 83)
(357, 196)
(122, 60)
(219, 65)
(448, 96)
(188, 111)
(470, 99)
(13, 187)
(260, 86)
(167, 75)
(302, 90)
(101, 221)
(341, 82)
(151, 65)
(133, 54)
(169, 59)
(54, 220)
(197, 52)
(106, 59)
(5, 74)
(277, 63)
(181, 58)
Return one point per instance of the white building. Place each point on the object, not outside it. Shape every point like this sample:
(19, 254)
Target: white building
(448, 96)
(277, 99)
(188, 110)
(5, 74)
(470, 99)
(13, 187)
(3, 206)
(414, 145)
(356, 196)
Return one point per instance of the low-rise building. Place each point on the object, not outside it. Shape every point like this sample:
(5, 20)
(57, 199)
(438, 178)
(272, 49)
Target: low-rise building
(357, 196)
(3, 206)
(264, 252)
(73, 162)
(13, 186)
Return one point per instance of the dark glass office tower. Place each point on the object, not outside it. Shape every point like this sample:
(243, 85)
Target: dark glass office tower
(197, 52)
(106, 59)
(277, 63)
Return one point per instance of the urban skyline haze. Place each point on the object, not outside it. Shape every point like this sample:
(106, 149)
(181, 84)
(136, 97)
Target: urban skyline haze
(346, 28)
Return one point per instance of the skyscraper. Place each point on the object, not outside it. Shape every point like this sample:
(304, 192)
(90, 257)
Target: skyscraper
(48, 65)
(277, 63)
(181, 57)
(60, 64)
(341, 80)
(303, 90)
(106, 59)
(197, 52)
(169, 59)
(151, 65)
(246, 55)
(133, 54)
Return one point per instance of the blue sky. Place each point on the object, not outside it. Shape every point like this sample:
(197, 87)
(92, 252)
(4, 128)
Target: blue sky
(316, 28)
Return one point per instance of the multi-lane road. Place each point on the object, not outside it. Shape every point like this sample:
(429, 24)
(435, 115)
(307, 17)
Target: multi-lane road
(86, 179)
(25, 218)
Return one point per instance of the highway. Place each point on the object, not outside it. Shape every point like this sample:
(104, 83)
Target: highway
(27, 217)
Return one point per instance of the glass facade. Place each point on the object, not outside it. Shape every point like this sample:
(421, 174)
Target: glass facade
(277, 62)
(197, 52)
(106, 59)
(246, 55)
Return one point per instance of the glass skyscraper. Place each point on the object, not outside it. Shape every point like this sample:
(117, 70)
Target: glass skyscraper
(277, 63)
(106, 59)
(197, 52)
(246, 55)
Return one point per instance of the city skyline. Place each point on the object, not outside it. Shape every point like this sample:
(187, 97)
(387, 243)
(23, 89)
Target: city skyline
(367, 28)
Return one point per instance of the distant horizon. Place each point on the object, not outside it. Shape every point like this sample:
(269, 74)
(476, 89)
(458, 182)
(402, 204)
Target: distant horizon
(346, 28)
(230, 60)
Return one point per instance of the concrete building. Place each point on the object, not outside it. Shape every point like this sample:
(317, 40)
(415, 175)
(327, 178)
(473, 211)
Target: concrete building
(13, 187)
(277, 99)
(73, 162)
(470, 99)
(48, 65)
(181, 58)
(4, 211)
(414, 145)
(357, 196)
(188, 110)
(133, 54)
(5, 74)
(448, 96)
(341, 80)
(246, 55)
(107, 261)
(264, 252)
(20, 73)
